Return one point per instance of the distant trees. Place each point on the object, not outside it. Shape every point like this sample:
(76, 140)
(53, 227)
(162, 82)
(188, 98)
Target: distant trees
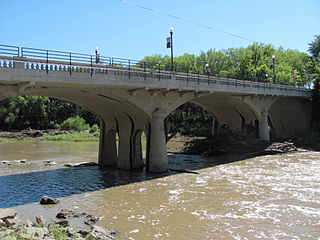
(314, 71)
(37, 112)
(250, 63)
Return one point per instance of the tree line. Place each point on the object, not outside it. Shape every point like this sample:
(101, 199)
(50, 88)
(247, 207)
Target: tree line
(257, 62)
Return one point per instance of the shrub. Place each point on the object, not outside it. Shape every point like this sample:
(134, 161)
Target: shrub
(75, 124)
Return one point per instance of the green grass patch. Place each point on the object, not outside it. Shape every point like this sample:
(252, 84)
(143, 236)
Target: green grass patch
(72, 137)
(17, 139)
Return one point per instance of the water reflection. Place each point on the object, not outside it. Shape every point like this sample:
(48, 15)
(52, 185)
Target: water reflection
(29, 187)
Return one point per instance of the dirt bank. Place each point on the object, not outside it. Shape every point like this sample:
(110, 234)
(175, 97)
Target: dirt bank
(30, 133)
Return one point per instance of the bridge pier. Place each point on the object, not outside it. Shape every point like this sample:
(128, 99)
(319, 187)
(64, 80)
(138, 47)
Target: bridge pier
(264, 127)
(137, 161)
(107, 147)
(125, 143)
(158, 161)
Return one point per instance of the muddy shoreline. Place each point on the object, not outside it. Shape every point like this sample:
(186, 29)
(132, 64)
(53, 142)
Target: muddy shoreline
(31, 133)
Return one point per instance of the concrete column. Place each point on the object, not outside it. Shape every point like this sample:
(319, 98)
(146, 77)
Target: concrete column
(158, 161)
(107, 147)
(137, 161)
(125, 144)
(264, 127)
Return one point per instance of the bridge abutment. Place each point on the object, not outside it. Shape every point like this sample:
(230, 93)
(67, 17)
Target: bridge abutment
(158, 161)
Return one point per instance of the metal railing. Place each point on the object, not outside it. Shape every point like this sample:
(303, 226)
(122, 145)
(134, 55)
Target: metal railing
(66, 61)
(8, 50)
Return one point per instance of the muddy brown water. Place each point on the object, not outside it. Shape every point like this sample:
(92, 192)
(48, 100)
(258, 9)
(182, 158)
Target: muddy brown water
(268, 197)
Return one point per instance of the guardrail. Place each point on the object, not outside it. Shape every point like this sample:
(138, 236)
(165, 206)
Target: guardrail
(51, 60)
(8, 50)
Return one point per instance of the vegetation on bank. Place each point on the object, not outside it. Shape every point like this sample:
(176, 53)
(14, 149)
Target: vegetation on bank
(254, 63)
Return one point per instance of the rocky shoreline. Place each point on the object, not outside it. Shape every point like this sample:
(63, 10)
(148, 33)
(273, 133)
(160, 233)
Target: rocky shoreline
(13, 227)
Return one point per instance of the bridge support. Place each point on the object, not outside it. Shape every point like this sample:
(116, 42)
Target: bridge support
(137, 151)
(264, 127)
(158, 161)
(107, 147)
(125, 143)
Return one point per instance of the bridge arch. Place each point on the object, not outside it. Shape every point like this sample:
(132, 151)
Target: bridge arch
(289, 117)
(118, 118)
(228, 110)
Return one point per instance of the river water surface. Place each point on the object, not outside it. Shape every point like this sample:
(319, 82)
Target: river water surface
(268, 197)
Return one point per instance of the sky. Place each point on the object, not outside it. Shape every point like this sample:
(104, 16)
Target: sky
(137, 28)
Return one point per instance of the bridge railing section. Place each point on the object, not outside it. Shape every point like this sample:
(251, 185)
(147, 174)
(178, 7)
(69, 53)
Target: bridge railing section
(50, 60)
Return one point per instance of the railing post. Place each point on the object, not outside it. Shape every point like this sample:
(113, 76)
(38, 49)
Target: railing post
(70, 63)
(144, 70)
(47, 66)
(91, 65)
(159, 73)
(129, 68)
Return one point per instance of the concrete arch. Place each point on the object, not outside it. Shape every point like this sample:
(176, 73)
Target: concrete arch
(117, 116)
(228, 110)
(290, 117)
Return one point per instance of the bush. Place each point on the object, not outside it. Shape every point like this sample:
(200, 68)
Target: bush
(75, 124)
(95, 128)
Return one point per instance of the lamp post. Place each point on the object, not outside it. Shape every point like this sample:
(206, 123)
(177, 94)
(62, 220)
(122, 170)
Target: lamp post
(171, 45)
(274, 68)
(97, 55)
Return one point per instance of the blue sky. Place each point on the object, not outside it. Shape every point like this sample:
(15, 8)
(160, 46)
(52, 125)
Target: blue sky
(121, 29)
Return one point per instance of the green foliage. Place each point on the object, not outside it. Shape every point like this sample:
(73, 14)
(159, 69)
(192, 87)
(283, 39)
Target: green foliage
(58, 232)
(314, 71)
(189, 119)
(36, 112)
(250, 63)
(72, 137)
(75, 124)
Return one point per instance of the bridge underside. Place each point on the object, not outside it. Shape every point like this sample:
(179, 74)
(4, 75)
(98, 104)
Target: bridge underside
(126, 116)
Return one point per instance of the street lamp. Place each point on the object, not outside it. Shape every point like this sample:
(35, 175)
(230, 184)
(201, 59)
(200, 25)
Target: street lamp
(171, 45)
(274, 68)
(97, 55)
(207, 69)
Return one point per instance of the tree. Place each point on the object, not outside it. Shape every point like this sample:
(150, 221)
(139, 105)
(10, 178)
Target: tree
(314, 71)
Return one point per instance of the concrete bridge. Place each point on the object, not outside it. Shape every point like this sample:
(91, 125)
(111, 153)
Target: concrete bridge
(131, 100)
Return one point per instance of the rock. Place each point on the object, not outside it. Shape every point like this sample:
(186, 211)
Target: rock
(5, 162)
(2, 223)
(23, 160)
(48, 200)
(65, 213)
(63, 223)
(101, 233)
(10, 221)
(7, 214)
(90, 220)
(82, 164)
(83, 232)
(41, 232)
(50, 163)
(39, 220)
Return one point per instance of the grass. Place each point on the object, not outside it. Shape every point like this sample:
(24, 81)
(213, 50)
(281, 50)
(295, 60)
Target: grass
(18, 139)
(72, 137)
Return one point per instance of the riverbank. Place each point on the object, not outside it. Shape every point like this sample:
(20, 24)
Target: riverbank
(48, 135)
(244, 148)
(15, 228)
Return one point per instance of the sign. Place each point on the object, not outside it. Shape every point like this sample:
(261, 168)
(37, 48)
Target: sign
(169, 42)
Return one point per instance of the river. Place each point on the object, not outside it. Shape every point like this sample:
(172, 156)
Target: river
(267, 197)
